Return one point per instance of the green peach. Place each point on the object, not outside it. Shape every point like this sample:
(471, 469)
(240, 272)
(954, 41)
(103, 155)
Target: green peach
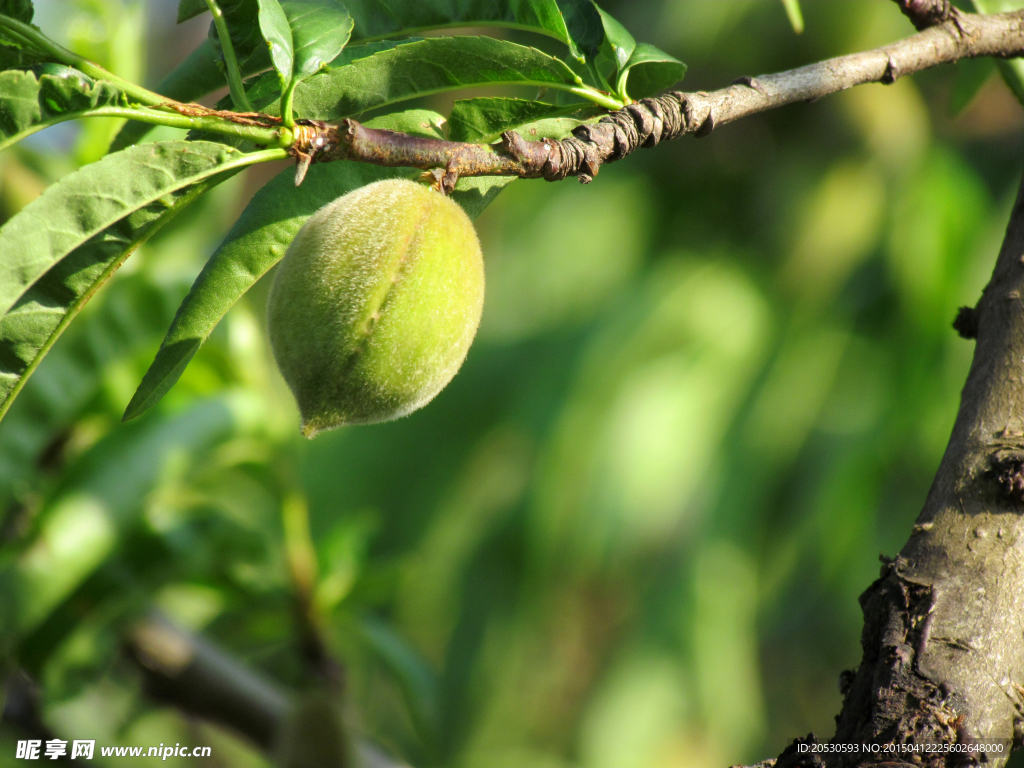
(375, 304)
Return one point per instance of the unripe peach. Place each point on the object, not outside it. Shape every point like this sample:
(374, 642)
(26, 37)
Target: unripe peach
(375, 304)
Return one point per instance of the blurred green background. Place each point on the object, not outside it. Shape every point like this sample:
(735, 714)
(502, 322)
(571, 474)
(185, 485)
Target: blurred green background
(708, 390)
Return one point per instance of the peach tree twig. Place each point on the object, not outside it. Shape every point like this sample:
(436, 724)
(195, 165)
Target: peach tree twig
(649, 121)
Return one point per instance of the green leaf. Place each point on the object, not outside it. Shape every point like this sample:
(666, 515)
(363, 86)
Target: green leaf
(574, 22)
(275, 30)
(648, 72)
(14, 57)
(17, 9)
(484, 120)
(28, 104)
(188, 9)
(796, 16)
(620, 42)
(14, 50)
(39, 317)
(320, 29)
(103, 495)
(577, 23)
(381, 74)
(86, 202)
(260, 238)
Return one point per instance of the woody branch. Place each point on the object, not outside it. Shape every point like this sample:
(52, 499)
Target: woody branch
(647, 122)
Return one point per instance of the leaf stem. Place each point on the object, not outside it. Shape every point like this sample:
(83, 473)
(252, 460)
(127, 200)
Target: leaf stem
(234, 74)
(287, 96)
(591, 94)
(62, 55)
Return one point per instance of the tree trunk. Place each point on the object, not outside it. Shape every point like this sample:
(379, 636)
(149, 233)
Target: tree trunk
(943, 634)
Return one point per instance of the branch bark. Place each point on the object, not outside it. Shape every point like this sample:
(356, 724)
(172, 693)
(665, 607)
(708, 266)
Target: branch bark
(650, 121)
(943, 652)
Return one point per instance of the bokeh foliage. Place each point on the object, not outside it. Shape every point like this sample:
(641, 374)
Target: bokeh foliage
(708, 390)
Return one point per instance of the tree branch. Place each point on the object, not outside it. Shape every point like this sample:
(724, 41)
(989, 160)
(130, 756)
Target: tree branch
(650, 121)
(942, 635)
(199, 679)
(943, 659)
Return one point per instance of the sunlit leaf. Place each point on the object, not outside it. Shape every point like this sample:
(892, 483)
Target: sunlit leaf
(83, 204)
(320, 29)
(483, 120)
(380, 74)
(275, 30)
(28, 104)
(619, 40)
(577, 23)
(648, 72)
(40, 316)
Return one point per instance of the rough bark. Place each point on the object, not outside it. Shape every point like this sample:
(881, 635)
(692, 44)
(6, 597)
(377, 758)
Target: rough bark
(943, 637)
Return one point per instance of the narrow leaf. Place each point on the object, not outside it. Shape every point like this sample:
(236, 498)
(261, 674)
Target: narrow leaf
(648, 72)
(256, 242)
(36, 321)
(620, 42)
(484, 120)
(796, 16)
(380, 74)
(577, 23)
(86, 202)
(260, 238)
(28, 104)
(276, 31)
